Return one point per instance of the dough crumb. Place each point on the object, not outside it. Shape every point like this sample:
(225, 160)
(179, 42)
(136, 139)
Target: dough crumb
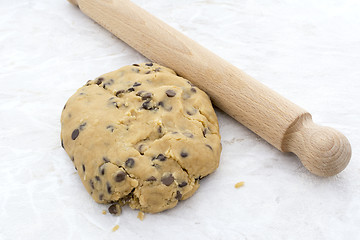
(239, 184)
(104, 212)
(115, 228)
(141, 216)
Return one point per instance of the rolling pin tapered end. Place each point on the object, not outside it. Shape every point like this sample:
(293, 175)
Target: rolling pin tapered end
(324, 151)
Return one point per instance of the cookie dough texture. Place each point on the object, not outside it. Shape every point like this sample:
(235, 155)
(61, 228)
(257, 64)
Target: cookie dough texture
(142, 136)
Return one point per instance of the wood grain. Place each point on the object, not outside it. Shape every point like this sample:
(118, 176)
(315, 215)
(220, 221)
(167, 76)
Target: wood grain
(288, 127)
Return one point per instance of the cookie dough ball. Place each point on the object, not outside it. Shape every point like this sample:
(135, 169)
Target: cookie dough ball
(142, 136)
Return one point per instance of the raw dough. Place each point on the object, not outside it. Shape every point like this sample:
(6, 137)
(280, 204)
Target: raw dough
(142, 136)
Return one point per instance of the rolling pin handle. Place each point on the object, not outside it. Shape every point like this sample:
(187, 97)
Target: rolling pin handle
(324, 151)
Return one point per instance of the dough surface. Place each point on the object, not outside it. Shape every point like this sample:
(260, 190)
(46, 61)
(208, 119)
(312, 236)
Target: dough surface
(141, 135)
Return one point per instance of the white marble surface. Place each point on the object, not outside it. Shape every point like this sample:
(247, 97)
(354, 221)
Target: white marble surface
(307, 50)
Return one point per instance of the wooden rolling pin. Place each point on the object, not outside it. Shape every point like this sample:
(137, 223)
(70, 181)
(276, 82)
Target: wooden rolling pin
(322, 150)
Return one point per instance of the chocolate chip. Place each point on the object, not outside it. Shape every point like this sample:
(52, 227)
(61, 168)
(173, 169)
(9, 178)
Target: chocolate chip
(64, 107)
(82, 126)
(120, 176)
(114, 209)
(193, 90)
(62, 144)
(161, 157)
(160, 129)
(156, 165)
(118, 93)
(128, 197)
(136, 84)
(189, 135)
(141, 146)
(190, 83)
(83, 167)
(146, 96)
(131, 89)
(130, 162)
(75, 134)
(105, 159)
(101, 196)
(147, 72)
(183, 184)
(136, 65)
(178, 195)
(184, 154)
(146, 105)
(161, 104)
(149, 64)
(115, 104)
(209, 146)
(139, 93)
(72, 158)
(189, 113)
(170, 93)
(91, 183)
(204, 132)
(102, 170)
(97, 178)
(199, 178)
(99, 81)
(88, 83)
(167, 180)
(110, 82)
(151, 179)
(110, 128)
(157, 69)
(108, 187)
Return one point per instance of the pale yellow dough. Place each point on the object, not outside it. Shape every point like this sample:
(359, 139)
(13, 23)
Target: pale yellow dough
(142, 136)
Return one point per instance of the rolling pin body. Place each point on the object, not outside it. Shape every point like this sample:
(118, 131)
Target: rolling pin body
(323, 151)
